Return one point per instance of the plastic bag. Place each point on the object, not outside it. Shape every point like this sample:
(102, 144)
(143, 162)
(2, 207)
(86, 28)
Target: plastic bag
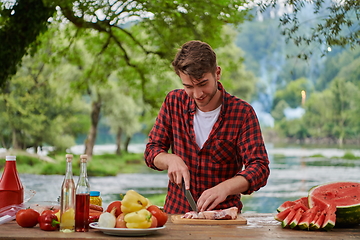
(8, 213)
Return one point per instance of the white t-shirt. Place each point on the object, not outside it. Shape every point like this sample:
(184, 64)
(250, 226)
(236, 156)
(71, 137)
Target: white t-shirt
(203, 123)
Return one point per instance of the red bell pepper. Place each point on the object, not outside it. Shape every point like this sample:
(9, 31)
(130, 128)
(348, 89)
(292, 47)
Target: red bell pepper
(48, 221)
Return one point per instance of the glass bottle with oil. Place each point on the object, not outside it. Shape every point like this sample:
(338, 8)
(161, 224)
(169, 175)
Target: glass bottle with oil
(67, 202)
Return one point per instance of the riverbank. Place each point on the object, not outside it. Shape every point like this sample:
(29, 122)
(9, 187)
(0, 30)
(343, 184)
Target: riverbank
(285, 151)
(306, 152)
(288, 152)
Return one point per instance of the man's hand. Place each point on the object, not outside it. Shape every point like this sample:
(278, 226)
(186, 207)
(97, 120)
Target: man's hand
(211, 197)
(176, 167)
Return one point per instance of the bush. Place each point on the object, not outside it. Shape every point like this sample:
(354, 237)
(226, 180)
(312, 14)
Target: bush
(350, 155)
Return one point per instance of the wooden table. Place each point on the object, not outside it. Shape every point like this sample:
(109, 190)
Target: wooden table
(259, 226)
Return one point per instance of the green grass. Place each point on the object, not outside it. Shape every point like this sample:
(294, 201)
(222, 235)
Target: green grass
(317, 155)
(350, 155)
(157, 200)
(99, 165)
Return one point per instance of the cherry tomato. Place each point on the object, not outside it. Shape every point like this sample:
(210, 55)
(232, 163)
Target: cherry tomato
(116, 204)
(27, 218)
(160, 215)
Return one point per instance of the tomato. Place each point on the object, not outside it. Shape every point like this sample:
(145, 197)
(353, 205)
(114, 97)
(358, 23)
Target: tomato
(154, 222)
(116, 204)
(160, 215)
(27, 217)
(120, 222)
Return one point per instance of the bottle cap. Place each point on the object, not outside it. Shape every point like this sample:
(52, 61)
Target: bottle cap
(10, 158)
(83, 158)
(69, 157)
(94, 193)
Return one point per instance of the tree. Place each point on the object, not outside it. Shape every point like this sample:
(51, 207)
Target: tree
(36, 110)
(20, 24)
(122, 113)
(333, 112)
(167, 23)
(333, 23)
(132, 36)
(344, 64)
(291, 93)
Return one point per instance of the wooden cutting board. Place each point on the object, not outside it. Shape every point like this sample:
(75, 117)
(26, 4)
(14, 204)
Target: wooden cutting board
(178, 220)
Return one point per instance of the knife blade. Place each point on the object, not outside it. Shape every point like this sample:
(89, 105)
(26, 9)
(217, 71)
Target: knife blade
(190, 198)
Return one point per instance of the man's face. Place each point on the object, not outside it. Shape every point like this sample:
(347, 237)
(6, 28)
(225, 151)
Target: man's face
(204, 91)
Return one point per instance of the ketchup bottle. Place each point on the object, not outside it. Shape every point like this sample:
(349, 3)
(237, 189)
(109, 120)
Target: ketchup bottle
(11, 189)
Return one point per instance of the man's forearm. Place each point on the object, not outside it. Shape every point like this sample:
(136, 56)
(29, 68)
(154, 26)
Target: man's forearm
(235, 185)
(161, 161)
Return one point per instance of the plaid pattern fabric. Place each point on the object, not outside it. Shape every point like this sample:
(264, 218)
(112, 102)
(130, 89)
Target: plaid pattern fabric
(234, 147)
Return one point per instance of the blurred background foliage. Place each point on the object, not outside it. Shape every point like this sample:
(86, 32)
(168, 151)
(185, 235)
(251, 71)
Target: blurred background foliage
(95, 72)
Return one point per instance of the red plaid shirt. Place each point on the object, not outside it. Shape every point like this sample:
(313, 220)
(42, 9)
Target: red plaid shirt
(234, 147)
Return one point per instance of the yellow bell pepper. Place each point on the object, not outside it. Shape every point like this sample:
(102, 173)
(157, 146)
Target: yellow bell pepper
(133, 202)
(139, 219)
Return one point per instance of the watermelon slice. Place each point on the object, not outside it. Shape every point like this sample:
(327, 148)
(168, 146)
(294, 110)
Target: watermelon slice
(330, 218)
(319, 221)
(345, 196)
(284, 213)
(304, 201)
(307, 217)
(314, 220)
(295, 221)
(288, 218)
(287, 204)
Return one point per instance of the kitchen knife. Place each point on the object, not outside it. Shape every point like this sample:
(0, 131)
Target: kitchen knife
(189, 198)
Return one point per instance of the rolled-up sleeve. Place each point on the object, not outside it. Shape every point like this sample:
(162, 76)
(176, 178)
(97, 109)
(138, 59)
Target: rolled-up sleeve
(253, 154)
(159, 139)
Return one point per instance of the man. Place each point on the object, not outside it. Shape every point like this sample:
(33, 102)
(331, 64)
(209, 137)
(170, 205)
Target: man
(215, 138)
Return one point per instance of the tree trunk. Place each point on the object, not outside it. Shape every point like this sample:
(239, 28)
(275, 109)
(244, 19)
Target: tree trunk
(118, 141)
(341, 141)
(15, 142)
(95, 117)
(127, 142)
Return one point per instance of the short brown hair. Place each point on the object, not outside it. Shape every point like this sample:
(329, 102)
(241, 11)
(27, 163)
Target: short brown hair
(195, 58)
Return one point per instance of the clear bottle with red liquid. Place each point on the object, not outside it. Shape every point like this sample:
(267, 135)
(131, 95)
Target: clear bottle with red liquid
(82, 201)
(11, 188)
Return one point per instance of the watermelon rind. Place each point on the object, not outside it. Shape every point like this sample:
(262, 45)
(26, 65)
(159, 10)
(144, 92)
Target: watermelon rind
(307, 217)
(313, 225)
(346, 216)
(282, 215)
(319, 222)
(328, 225)
(295, 221)
(288, 218)
(330, 218)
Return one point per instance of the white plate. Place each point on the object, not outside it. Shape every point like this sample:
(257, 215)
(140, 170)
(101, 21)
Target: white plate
(126, 231)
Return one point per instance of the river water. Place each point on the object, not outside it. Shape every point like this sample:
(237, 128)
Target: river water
(292, 175)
